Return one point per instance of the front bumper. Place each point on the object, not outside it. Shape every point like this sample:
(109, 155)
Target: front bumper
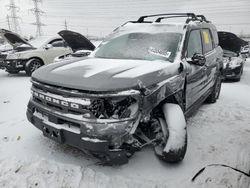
(79, 136)
(232, 73)
(13, 64)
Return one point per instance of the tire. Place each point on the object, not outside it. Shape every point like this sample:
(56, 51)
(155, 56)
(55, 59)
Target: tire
(173, 146)
(32, 65)
(212, 98)
(239, 77)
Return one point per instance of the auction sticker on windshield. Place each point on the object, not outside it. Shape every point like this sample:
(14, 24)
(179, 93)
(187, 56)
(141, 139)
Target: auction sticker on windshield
(159, 52)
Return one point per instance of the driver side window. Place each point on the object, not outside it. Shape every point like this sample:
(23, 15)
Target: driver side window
(194, 43)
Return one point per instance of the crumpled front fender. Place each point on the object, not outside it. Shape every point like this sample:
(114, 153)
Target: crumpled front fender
(173, 86)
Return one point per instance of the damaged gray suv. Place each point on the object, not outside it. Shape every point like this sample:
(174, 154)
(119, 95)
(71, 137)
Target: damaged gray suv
(136, 89)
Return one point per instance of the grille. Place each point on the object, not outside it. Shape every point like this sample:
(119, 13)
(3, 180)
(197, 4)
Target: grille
(89, 105)
(61, 102)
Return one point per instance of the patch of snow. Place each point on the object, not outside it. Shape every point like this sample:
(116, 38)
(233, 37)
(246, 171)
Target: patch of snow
(89, 126)
(193, 23)
(92, 139)
(235, 62)
(5, 47)
(129, 68)
(176, 125)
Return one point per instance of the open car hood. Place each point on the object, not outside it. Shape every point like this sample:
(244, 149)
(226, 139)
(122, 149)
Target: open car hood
(76, 41)
(229, 41)
(13, 39)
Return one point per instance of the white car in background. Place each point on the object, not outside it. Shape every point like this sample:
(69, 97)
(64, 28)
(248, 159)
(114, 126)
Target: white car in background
(29, 56)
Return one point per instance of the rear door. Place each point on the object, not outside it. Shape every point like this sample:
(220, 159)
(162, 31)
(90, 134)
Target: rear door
(196, 75)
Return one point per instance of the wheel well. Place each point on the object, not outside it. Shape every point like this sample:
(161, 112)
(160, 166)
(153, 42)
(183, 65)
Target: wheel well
(169, 99)
(37, 58)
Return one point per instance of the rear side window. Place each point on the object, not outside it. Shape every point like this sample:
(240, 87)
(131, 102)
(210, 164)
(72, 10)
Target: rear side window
(207, 40)
(57, 43)
(194, 43)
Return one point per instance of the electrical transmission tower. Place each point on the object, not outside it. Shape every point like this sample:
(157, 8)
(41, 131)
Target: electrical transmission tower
(65, 25)
(13, 16)
(8, 22)
(38, 13)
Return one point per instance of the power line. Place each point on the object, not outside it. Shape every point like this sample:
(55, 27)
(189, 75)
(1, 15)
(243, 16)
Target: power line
(38, 12)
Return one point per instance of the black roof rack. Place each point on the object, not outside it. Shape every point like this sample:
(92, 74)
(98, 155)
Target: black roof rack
(202, 18)
(166, 17)
(192, 15)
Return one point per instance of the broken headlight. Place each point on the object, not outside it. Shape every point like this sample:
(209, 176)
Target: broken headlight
(114, 107)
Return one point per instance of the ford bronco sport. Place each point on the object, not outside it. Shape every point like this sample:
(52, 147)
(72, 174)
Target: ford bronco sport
(135, 89)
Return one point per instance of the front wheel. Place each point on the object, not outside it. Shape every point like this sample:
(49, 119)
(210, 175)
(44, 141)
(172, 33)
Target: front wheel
(32, 65)
(173, 143)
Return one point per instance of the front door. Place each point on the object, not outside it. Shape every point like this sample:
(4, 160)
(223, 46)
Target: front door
(196, 75)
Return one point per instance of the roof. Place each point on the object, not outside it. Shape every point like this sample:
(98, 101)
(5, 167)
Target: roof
(156, 24)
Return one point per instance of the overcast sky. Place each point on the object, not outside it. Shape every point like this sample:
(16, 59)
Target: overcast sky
(100, 17)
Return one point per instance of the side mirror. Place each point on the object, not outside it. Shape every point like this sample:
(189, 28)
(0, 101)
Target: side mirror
(48, 46)
(197, 59)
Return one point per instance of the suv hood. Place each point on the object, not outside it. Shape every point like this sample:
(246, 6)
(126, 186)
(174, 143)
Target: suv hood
(229, 41)
(95, 74)
(13, 39)
(76, 41)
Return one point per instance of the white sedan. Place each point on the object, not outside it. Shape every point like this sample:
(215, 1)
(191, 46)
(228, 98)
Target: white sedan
(29, 56)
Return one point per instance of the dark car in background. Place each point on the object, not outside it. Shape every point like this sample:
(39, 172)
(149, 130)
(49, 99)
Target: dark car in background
(233, 60)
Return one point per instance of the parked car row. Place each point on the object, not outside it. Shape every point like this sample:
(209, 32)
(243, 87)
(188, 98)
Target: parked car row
(30, 55)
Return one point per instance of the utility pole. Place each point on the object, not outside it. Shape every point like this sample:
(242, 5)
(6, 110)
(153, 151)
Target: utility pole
(65, 25)
(13, 16)
(38, 12)
(8, 22)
